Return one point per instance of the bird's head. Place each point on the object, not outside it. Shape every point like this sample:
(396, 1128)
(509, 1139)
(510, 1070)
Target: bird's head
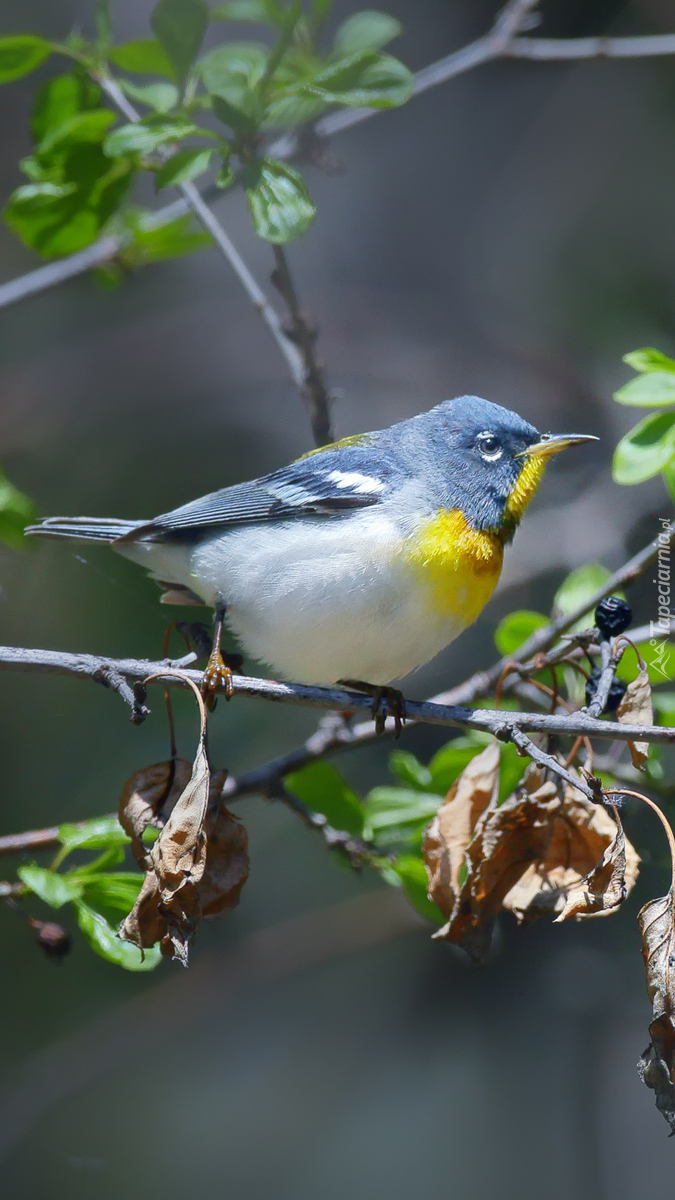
(493, 460)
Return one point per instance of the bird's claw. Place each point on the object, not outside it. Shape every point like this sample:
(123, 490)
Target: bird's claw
(217, 675)
(388, 701)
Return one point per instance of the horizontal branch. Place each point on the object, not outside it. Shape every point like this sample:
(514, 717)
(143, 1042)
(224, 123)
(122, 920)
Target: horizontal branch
(91, 667)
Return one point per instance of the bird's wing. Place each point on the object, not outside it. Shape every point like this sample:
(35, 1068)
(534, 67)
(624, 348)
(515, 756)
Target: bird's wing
(323, 484)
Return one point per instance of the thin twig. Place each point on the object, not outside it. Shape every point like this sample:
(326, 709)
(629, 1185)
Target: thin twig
(315, 391)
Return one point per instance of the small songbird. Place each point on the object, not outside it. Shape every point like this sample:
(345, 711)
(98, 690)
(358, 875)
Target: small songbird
(358, 562)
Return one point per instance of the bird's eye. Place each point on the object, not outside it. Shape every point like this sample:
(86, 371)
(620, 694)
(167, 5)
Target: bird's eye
(489, 446)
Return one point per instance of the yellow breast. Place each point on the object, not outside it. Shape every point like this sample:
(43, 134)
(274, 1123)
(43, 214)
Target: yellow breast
(460, 565)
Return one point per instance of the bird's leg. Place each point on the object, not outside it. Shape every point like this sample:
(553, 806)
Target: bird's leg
(219, 667)
(386, 701)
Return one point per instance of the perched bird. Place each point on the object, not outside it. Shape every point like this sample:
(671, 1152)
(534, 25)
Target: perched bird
(358, 562)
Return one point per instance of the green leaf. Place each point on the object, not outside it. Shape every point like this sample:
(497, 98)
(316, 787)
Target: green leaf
(373, 80)
(62, 97)
(233, 72)
(103, 939)
(160, 96)
(55, 890)
(395, 815)
(88, 126)
(650, 390)
(410, 770)
(179, 26)
(413, 876)
(173, 240)
(659, 655)
(242, 10)
(668, 476)
(365, 31)
(649, 359)
(116, 890)
(449, 762)
(21, 54)
(142, 58)
(516, 628)
(512, 767)
(278, 201)
(16, 511)
(97, 834)
(141, 138)
(663, 704)
(646, 450)
(577, 589)
(237, 120)
(181, 167)
(323, 789)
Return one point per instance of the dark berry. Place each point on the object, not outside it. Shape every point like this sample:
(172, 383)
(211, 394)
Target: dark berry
(615, 692)
(612, 616)
(52, 939)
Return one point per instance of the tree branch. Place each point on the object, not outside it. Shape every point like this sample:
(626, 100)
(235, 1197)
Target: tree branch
(485, 49)
(315, 391)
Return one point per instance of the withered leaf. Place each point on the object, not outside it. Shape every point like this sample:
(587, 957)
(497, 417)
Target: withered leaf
(579, 836)
(227, 864)
(636, 709)
(145, 794)
(657, 1065)
(604, 889)
(450, 832)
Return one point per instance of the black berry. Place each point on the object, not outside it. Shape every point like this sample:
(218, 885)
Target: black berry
(615, 692)
(612, 616)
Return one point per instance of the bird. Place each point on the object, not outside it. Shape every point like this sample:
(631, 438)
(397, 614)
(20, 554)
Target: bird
(360, 561)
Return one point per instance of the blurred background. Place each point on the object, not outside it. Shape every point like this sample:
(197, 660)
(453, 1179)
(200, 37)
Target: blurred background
(511, 234)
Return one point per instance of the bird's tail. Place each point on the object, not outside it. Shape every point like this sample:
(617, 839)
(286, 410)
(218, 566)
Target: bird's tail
(83, 529)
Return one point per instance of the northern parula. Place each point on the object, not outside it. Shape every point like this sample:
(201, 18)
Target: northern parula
(360, 561)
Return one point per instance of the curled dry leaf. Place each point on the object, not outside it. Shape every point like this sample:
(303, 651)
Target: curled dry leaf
(657, 1064)
(580, 835)
(524, 856)
(451, 830)
(636, 709)
(601, 892)
(148, 794)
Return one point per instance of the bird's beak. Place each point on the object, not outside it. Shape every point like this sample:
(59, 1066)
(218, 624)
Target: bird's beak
(550, 443)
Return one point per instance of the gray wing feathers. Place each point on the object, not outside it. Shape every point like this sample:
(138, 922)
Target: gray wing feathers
(83, 529)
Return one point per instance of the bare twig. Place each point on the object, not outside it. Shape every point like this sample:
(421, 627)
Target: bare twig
(485, 49)
(315, 391)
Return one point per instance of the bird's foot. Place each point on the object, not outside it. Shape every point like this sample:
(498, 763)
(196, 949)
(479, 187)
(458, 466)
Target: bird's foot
(218, 674)
(387, 701)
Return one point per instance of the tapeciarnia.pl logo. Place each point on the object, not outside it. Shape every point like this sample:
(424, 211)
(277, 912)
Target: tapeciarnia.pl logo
(660, 629)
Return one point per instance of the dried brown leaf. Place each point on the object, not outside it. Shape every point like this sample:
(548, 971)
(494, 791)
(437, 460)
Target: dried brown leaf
(636, 709)
(227, 864)
(145, 795)
(451, 830)
(580, 834)
(605, 888)
(657, 1064)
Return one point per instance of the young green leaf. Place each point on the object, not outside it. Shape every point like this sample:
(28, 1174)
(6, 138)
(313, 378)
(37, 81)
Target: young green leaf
(650, 390)
(577, 588)
(647, 449)
(516, 628)
(173, 240)
(162, 97)
(88, 126)
(410, 770)
(179, 26)
(21, 54)
(16, 511)
(237, 120)
(97, 834)
(103, 22)
(398, 815)
(181, 167)
(321, 787)
(649, 359)
(139, 138)
(233, 72)
(278, 201)
(142, 58)
(369, 79)
(449, 762)
(59, 98)
(365, 31)
(412, 874)
(258, 11)
(55, 890)
(103, 939)
(668, 477)
(116, 889)
(664, 707)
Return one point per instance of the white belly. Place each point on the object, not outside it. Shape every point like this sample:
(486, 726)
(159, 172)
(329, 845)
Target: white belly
(316, 600)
